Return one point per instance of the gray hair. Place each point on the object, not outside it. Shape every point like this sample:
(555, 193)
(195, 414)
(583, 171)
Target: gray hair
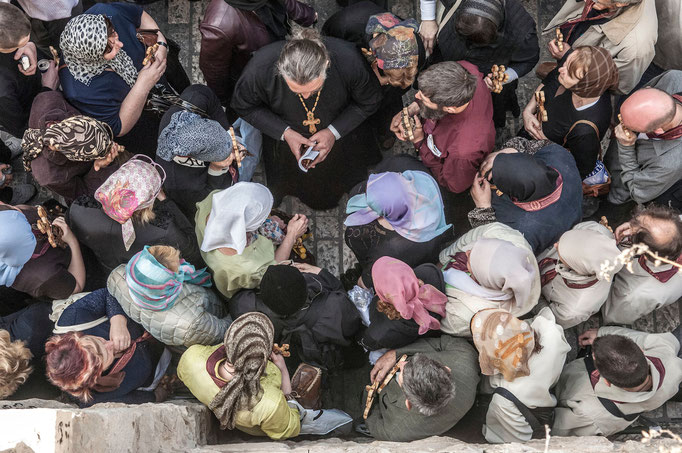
(448, 84)
(427, 385)
(304, 57)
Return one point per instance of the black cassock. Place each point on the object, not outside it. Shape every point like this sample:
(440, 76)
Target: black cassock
(351, 94)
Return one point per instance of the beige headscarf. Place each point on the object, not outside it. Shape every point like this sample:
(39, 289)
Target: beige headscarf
(583, 251)
(504, 343)
(500, 265)
(248, 344)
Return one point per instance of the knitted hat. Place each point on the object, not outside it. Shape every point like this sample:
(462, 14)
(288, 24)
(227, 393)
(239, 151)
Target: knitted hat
(188, 134)
(248, 345)
(283, 289)
(490, 9)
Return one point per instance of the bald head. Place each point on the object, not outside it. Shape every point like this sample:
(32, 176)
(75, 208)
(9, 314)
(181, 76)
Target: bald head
(647, 110)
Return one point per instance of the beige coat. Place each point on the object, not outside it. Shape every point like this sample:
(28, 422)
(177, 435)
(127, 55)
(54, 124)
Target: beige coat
(461, 306)
(669, 44)
(636, 294)
(571, 306)
(503, 421)
(629, 37)
(579, 412)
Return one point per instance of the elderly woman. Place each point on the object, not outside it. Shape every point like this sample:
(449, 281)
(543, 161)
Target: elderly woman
(198, 154)
(247, 385)
(571, 277)
(100, 355)
(491, 266)
(538, 191)
(408, 304)
(392, 46)
(29, 264)
(521, 362)
(123, 216)
(169, 298)
(104, 76)
(399, 215)
(68, 153)
(578, 106)
(236, 238)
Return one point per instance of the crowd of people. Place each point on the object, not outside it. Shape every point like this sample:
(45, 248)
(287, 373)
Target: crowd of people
(158, 266)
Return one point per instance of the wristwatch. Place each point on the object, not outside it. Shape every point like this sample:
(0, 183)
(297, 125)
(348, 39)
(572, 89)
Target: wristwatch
(161, 43)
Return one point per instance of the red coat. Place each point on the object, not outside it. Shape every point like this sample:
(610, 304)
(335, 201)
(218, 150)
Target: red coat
(464, 139)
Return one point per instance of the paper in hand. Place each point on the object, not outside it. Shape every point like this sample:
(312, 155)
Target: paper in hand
(307, 159)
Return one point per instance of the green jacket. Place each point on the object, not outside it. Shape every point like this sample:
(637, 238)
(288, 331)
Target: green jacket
(390, 420)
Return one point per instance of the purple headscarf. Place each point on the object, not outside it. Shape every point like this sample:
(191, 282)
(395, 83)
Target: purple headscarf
(410, 201)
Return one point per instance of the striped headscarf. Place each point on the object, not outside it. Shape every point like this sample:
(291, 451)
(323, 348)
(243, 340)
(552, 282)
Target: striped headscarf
(248, 345)
(600, 75)
(155, 287)
(79, 138)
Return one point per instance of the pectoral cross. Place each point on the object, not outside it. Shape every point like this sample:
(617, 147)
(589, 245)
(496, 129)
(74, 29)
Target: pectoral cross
(311, 122)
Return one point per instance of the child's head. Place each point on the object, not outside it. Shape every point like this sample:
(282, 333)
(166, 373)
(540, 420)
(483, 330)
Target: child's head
(15, 28)
(167, 256)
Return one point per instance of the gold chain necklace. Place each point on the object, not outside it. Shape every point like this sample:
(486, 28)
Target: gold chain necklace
(311, 121)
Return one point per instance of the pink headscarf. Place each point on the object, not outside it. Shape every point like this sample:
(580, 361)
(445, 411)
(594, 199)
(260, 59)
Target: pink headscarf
(396, 283)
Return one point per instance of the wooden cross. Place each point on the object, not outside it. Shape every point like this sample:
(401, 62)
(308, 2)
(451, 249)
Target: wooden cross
(311, 122)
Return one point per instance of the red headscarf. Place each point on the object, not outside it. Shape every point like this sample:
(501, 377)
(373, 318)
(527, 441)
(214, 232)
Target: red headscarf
(396, 283)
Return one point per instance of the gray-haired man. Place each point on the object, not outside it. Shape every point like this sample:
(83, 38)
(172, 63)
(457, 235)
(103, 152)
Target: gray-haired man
(433, 390)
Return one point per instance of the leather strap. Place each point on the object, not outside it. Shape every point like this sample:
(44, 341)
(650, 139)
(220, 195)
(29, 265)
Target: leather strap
(609, 405)
(447, 17)
(589, 123)
(535, 424)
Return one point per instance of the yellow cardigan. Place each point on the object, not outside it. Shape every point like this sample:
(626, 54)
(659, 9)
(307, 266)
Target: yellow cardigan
(232, 273)
(271, 416)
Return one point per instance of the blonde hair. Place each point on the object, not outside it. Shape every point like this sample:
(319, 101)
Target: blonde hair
(145, 215)
(401, 78)
(166, 255)
(15, 364)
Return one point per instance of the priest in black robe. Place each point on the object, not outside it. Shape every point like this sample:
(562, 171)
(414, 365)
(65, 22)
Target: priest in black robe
(331, 110)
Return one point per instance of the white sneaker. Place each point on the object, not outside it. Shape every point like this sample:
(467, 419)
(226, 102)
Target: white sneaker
(323, 421)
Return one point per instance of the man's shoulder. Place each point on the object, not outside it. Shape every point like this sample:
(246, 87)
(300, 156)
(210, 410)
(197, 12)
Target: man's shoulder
(669, 81)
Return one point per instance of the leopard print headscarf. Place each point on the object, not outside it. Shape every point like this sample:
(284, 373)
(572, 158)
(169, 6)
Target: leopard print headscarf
(83, 42)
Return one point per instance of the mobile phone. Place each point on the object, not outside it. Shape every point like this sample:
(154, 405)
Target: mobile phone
(25, 62)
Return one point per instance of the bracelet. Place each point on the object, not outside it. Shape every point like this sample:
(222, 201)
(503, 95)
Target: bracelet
(161, 43)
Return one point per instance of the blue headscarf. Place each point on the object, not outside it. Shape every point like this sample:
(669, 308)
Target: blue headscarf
(17, 244)
(155, 287)
(410, 201)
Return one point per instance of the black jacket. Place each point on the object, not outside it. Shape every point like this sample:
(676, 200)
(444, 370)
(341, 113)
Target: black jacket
(328, 321)
(104, 237)
(385, 333)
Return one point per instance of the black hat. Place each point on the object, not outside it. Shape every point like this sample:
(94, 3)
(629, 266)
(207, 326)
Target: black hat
(283, 289)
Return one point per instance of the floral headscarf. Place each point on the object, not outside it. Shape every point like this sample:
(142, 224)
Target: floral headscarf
(395, 43)
(132, 187)
(79, 138)
(83, 43)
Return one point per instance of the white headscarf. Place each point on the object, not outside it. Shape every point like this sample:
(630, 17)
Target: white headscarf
(235, 211)
(83, 43)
